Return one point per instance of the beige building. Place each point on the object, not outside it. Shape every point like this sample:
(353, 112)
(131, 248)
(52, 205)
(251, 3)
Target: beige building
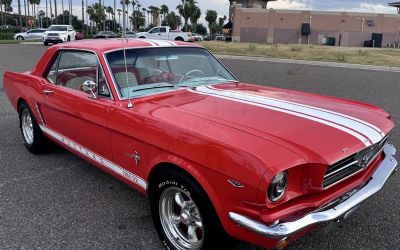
(339, 28)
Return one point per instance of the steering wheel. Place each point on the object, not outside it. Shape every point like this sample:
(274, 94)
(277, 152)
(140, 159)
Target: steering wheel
(192, 73)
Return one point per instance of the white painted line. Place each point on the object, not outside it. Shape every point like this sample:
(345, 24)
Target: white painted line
(313, 63)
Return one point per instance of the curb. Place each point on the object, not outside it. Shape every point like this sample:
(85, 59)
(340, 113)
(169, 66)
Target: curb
(313, 63)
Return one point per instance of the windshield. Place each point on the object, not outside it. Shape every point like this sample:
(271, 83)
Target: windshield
(57, 28)
(153, 70)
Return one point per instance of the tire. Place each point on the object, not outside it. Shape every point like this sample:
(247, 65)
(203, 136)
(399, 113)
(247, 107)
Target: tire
(46, 43)
(179, 39)
(193, 213)
(68, 39)
(20, 38)
(31, 133)
(142, 37)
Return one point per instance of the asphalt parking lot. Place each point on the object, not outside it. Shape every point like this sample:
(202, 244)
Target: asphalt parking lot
(57, 200)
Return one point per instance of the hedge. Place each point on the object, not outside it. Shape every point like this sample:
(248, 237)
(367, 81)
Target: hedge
(6, 36)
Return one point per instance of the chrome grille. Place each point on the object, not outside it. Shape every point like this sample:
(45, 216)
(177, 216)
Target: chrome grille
(351, 164)
(52, 34)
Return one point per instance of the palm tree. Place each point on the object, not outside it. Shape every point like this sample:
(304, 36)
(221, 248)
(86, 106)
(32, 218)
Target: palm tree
(19, 14)
(164, 11)
(115, 21)
(109, 11)
(51, 13)
(196, 14)
(96, 13)
(55, 10)
(155, 12)
(63, 11)
(119, 16)
(138, 19)
(186, 9)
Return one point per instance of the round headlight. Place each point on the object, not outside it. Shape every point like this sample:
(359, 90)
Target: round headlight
(277, 187)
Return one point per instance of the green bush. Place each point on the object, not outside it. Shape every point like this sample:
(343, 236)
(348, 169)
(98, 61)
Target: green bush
(252, 47)
(296, 48)
(6, 36)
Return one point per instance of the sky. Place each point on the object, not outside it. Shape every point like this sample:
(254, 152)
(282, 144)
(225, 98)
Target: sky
(221, 6)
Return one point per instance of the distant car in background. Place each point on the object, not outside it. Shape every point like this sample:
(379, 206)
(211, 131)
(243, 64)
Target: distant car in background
(33, 34)
(79, 36)
(130, 34)
(59, 34)
(105, 34)
(220, 38)
(197, 37)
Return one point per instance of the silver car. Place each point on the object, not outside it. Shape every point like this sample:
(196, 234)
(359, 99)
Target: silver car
(33, 34)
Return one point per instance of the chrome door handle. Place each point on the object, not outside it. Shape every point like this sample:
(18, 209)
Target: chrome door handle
(47, 91)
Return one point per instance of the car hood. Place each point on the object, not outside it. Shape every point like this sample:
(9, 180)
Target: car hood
(319, 129)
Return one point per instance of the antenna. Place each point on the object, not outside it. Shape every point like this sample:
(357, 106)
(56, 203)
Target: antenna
(123, 48)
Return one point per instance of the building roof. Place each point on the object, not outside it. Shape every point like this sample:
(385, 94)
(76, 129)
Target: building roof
(395, 4)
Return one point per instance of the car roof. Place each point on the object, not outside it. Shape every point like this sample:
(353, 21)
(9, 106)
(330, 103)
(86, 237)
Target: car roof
(113, 44)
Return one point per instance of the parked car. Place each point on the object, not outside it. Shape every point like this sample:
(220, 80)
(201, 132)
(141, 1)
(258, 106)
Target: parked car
(105, 34)
(215, 156)
(33, 34)
(58, 34)
(130, 34)
(79, 35)
(220, 38)
(197, 37)
(165, 33)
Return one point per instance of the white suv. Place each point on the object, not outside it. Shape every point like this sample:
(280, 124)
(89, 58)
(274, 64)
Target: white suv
(59, 34)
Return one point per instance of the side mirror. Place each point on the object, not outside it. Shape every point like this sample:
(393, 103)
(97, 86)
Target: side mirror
(90, 86)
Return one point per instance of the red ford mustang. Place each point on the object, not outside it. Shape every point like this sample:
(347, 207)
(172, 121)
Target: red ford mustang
(216, 157)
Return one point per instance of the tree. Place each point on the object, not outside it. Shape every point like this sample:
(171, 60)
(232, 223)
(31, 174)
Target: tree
(138, 19)
(264, 3)
(96, 14)
(200, 29)
(221, 21)
(188, 9)
(172, 20)
(164, 11)
(110, 12)
(155, 13)
(196, 14)
(211, 18)
(7, 6)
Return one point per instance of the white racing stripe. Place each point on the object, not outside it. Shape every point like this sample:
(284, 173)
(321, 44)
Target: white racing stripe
(151, 42)
(160, 42)
(261, 103)
(373, 133)
(95, 157)
(311, 107)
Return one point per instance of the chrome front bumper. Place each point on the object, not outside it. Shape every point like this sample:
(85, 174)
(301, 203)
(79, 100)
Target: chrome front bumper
(282, 230)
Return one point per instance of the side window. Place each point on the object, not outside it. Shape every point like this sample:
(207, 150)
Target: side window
(155, 30)
(52, 75)
(76, 67)
(163, 30)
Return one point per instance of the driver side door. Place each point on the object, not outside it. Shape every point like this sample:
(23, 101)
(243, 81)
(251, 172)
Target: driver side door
(81, 122)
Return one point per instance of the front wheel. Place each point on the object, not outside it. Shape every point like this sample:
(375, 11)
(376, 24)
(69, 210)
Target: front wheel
(179, 39)
(182, 213)
(20, 38)
(31, 133)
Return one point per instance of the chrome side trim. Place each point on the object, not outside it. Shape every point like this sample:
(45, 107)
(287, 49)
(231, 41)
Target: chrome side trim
(377, 181)
(95, 157)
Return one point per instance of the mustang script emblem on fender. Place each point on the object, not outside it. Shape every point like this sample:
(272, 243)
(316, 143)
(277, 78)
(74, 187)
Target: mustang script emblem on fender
(134, 156)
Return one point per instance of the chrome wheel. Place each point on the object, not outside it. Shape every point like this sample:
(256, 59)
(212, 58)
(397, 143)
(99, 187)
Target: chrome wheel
(180, 219)
(27, 126)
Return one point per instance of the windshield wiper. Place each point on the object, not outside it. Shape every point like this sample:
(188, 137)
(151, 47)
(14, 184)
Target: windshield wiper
(163, 85)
